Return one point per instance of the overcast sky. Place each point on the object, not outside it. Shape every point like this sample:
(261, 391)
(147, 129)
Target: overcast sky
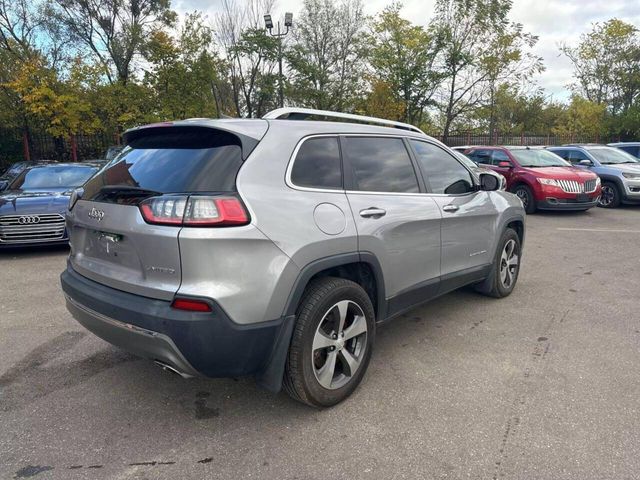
(554, 21)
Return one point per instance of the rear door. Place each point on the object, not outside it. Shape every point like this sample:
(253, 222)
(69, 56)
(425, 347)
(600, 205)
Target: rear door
(395, 219)
(469, 216)
(110, 241)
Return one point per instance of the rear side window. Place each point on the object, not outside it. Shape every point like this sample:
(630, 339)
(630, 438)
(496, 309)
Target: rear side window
(381, 165)
(180, 160)
(635, 151)
(318, 164)
(443, 172)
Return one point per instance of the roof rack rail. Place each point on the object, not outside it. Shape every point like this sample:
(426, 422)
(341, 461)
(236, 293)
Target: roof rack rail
(293, 113)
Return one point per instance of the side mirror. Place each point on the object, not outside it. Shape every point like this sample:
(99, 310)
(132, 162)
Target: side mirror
(488, 182)
(505, 164)
(585, 163)
(3, 185)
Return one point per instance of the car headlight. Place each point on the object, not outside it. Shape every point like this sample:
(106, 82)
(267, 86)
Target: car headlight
(631, 175)
(548, 181)
(598, 181)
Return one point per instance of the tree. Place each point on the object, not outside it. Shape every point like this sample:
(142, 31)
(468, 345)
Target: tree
(582, 118)
(402, 56)
(480, 50)
(326, 62)
(251, 55)
(607, 65)
(60, 105)
(114, 31)
(184, 73)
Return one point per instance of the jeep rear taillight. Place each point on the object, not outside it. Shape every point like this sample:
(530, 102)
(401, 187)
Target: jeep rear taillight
(194, 211)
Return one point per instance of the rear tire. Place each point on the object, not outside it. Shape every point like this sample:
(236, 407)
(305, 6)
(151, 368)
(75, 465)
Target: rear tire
(332, 342)
(505, 269)
(610, 196)
(524, 193)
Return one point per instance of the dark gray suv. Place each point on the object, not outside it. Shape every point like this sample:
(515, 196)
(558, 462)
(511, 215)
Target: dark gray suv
(272, 247)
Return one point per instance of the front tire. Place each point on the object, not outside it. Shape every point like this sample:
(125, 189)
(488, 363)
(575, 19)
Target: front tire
(506, 267)
(332, 342)
(610, 196)
(524, 193)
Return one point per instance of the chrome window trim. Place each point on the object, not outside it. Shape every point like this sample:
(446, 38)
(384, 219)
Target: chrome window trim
(292, 158)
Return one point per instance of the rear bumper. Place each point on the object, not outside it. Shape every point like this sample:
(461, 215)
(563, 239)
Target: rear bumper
(208, 344)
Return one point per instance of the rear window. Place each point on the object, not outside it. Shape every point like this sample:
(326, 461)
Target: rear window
(318, 164)
(381, 165)
(179, 161)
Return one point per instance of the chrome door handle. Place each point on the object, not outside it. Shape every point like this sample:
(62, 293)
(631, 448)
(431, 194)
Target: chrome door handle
(450, 208)
(373, 212)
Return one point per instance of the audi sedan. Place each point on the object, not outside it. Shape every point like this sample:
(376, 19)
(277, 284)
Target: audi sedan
(32, 209)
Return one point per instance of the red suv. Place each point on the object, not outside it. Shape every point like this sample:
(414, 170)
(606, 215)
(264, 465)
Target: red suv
(540, 178)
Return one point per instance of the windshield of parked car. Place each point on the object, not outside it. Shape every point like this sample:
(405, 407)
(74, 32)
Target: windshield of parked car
(610, 155)
(538, 158)
(58, 176)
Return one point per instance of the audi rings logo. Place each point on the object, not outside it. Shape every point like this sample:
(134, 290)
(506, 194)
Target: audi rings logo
(96, 214)
(29, 220)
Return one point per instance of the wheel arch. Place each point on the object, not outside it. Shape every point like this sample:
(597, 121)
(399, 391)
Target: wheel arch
(361, 267)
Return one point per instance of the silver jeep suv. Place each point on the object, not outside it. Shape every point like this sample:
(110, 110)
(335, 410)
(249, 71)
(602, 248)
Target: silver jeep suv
(272, 247)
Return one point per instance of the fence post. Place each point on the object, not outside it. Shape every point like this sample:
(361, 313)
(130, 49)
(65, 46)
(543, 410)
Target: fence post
(25, 146)
(74, 149)
(522, 137)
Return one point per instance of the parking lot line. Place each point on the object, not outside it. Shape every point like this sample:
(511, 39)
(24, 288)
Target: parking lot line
(605, 230)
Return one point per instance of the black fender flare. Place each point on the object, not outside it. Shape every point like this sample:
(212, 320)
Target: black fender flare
(271, 376)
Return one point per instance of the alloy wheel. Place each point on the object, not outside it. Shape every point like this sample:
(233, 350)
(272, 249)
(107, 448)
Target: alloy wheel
(521, 193)
(339, 344)
(509, 264)
(607, 195)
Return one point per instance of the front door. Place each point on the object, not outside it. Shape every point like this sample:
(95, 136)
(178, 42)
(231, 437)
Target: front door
(396, 221)
(469, 216)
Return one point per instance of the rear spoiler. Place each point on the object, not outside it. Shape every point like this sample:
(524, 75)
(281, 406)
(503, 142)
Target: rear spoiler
(248, 132)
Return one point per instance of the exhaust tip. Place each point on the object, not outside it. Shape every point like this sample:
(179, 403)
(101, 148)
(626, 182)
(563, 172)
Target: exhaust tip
(169, 368)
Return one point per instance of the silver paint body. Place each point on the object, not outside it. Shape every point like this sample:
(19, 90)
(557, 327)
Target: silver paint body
(251, 270)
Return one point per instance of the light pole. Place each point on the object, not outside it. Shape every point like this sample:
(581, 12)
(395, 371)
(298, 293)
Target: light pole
(288, 23)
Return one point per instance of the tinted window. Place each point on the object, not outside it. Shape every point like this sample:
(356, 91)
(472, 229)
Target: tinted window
(177, 160)
(611, 156)
(576, 155)
(499, 156)
(564, 154)
(631, 150)
(443, 172)
(481, 156)
(62, 176)
(380, 164)
(318, 164)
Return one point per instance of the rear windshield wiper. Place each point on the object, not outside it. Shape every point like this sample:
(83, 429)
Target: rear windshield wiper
(124, 194)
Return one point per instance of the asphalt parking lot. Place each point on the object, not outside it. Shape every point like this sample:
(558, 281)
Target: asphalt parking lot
(543, 384)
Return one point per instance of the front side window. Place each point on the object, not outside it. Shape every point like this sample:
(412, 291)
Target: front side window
(499, 156)
(576, 156)
(443, 172)
(381, 165)
(631, 150)
(318, 164)
(481, 156)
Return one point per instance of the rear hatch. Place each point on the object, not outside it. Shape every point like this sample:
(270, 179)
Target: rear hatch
(112, 242)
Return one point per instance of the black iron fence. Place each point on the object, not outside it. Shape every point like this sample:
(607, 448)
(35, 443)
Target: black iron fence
(16, 145)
